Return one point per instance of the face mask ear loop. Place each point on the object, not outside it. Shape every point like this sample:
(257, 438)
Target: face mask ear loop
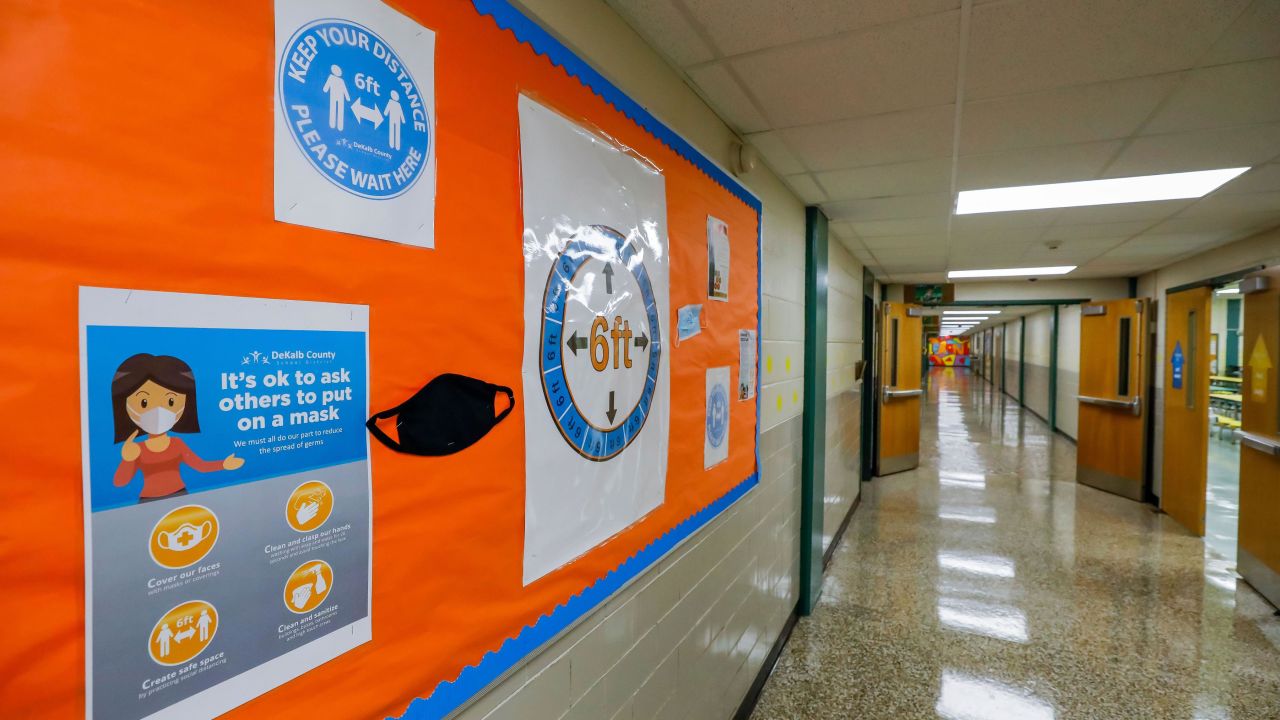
(511, 403)
(377, 432)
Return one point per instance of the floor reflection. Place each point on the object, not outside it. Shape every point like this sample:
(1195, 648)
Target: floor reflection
(986, 584)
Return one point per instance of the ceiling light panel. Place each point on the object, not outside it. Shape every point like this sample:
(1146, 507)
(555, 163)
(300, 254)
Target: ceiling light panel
(1145, 188)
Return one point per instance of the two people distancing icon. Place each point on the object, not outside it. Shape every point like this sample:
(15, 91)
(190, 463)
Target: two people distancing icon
(392, 112)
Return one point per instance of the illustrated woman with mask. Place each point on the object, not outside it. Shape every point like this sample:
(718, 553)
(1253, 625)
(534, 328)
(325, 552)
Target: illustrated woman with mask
(156, 395)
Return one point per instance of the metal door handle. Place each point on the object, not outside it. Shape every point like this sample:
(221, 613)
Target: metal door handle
(891, 394)
(1133, 404)
(1259, 443)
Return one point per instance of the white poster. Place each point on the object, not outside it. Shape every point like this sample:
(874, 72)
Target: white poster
(715, 444)
(354, 120)
(595, 312)
(227, 496)
(717, 259)
(746, 364)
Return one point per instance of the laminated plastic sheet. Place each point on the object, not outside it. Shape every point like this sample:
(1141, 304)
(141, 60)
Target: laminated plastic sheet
(134, 160)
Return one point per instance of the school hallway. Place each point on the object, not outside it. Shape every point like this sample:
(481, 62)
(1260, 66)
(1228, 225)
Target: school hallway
(987, 584)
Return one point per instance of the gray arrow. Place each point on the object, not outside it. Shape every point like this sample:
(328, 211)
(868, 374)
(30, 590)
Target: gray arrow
(608, 279)
(575, 343)
(642, 341)
(612, 410)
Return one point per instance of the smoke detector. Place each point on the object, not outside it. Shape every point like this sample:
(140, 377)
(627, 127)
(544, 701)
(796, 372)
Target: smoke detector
(1053, 244)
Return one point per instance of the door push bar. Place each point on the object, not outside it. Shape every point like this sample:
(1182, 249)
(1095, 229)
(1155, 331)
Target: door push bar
(891, 394)
(1133, 405)
(1259, 443)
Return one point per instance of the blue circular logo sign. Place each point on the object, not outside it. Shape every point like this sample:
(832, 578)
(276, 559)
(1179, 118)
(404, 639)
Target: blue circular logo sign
(601, 342)
(717, 415)
(354, 109)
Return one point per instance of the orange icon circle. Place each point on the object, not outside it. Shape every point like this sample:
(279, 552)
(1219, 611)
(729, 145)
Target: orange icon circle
(183, 632)
(183, 536)
(308, 586)
(310, 505)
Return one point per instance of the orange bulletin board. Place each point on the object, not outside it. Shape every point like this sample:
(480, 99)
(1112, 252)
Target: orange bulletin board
(138, 154)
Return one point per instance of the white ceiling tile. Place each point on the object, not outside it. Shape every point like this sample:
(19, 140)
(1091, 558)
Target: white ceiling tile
(1239, 94)
(924, 133)
(1084, 113)
(915, 226)
(1035, 166)
(1225, 224)
(1037, 44)
(892, 67)
(1159, 247)
(739, 26)
(889, 208)
(1074, 252)
(913, 178)
(1260, 179)
(1002, 221)
(775, 152)
(914, 242)
(1198, 150)
(806, 188)
(724, 94)
(1235, 204)
(1095, 230)
(1255, 34)
(666, 29)
(1123, 212)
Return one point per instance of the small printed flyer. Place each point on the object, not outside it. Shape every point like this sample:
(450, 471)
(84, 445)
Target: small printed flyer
(227, 496)
(746, 364)
(717, 259)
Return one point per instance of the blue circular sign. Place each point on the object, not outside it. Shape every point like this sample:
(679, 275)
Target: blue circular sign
(354, 109)
(717, 415)
(600, 368)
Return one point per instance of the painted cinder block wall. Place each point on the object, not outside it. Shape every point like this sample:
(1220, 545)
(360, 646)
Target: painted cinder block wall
(687, 638)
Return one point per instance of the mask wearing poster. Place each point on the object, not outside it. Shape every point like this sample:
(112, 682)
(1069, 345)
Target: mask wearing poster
(595, 317)
(354, 122)
(715, 444)
(717, 259)
(227, 496)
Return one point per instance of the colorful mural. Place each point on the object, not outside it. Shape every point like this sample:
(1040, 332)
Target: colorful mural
(949, 351)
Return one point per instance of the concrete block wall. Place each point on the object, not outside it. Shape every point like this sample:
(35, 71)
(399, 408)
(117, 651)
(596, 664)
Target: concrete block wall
(1012, 345)
(1068, 369)
(1039, 330)
(844, 410)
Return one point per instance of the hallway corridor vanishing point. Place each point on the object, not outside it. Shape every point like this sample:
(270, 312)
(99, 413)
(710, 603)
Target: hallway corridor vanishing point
(987, 585)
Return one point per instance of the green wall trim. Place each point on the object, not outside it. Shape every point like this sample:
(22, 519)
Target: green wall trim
(1022, 359)
(1012, 303)
(814, 420)
(1053, 373)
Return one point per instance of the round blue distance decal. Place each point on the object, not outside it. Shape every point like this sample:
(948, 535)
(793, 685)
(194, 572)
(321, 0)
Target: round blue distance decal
(717, 415)
(354, 109)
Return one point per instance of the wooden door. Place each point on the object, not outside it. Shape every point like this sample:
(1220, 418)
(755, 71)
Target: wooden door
(900, 391)
(1186, 407)
(1259, 550)
(1114, 350)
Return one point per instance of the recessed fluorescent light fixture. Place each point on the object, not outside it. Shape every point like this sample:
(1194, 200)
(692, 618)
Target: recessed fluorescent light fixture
(1229, 291)
(970, 312)
(1145, 188)
(1011, 272)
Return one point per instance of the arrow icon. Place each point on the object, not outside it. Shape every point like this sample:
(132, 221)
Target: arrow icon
(1260, 362)
(612, 410)
(364, 112)
(608, 279)
(642, 341)
(575, 343)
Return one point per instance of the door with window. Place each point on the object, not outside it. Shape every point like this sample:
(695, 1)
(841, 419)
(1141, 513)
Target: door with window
(900, 392)
(1185, 458)
(1259, 550)
(1114, 352)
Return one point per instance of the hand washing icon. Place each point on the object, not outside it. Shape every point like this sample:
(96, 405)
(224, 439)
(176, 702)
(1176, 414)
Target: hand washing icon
(308, 586)
(310, 505)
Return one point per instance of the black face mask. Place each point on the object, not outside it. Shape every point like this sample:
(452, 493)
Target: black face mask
(448, 414)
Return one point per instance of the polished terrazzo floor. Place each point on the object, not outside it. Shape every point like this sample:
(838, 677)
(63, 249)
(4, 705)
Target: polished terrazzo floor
(988, 585)
(1222, 502)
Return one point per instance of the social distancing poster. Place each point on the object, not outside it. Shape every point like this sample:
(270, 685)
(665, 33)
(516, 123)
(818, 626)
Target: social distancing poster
(266, 249)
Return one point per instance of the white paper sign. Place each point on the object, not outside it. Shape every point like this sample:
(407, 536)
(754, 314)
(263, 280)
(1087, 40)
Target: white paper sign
(715, 444)
(746, 364)
(595, 323)
(717, 259)
(354, 120)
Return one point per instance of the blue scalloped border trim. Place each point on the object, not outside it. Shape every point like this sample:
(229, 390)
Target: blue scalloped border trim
(450, 695)
(544, 43)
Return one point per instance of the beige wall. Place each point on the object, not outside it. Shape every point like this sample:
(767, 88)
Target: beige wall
(1260, 249)
(844, 410)
(1039, 331)
(686, 639)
